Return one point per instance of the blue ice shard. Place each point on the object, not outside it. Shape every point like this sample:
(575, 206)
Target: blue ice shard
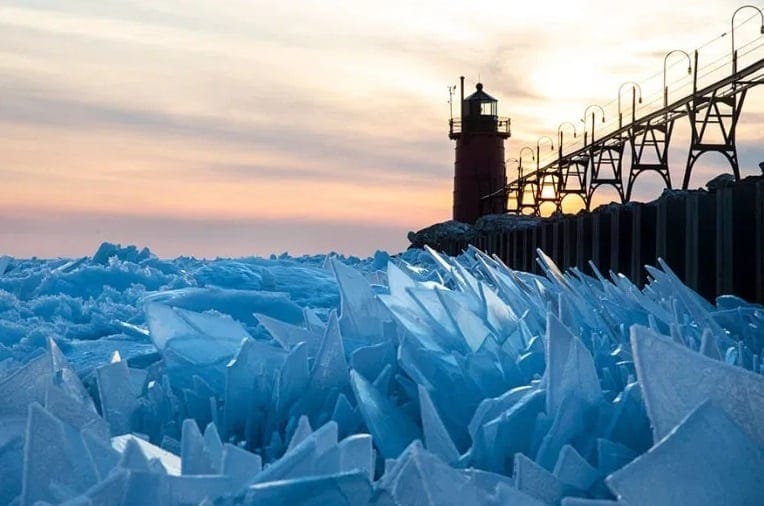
(100, 453)
(572, 469)
(241, 305)
(420, 478)
(54, 468)
(303, 459)
(472, 328)
(488, 409)
(170, 462)
(249, 379)
(195, 456)
(239, 464)
(347, 417)
(498, 440)
(573, 419)
(133, 458)
(629, 424)
(707, 460)
(291, 382)
(362, 315)
(499, 315)
(612, 456)
(11, 454)
(345, 489)
(356, 454)
(118, 401)
(371, 360)
(709, 345)
(301, 433)
(214, 447)
(288, 335)
(78, 414)
(392, 429)
(536, 481)
(675, 380)
(165, 324)
(111, 490)
(436, 437)
(570, 368)
(23, 386)
(196, 489)
(329, 375)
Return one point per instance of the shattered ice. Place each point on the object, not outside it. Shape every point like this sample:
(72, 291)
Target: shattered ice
(416, 379)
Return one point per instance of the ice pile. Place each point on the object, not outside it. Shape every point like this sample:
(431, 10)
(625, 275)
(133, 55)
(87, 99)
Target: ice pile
(439, 381)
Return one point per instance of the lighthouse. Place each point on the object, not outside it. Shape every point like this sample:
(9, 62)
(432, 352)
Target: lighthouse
(480, 174)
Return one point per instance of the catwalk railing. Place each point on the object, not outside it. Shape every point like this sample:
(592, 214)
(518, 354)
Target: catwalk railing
(712, 99)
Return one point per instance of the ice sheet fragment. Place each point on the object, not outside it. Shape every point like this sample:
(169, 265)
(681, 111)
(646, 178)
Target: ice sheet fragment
(707, 460)
(301, 461)
(239, 464)
(436, 437)
(118, 402)
(169, 461)
(346, 489)
(195, 457)
(420, 478)
(572, 469)
(497, 440)
(392, 430)
(538, 482)
(570, 367)
(361, 314)
(54, 468)
(675, 380)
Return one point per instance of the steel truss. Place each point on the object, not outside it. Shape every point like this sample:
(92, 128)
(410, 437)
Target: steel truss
(713, 113)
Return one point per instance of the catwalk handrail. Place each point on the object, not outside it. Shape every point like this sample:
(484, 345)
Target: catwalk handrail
(675, 109)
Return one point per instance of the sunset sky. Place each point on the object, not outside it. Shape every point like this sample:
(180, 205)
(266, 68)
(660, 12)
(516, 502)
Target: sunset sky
(208, 127)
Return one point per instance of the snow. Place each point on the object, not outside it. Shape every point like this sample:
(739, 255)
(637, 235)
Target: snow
(407, 379)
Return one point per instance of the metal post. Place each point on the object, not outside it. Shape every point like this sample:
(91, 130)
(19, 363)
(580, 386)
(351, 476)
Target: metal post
(695, 76)
(732, 30)
(634, 104)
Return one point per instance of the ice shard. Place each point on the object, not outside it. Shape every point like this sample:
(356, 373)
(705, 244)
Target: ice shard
(392, 429)
(420, 478)
(572, 469)
(362, 316)
(675, 380)
(436, 437)
(53, 467)
(118, 402)
(346, 489)
(498, 440)
(570, 368)
(329, 375)
(537, 482)
(706, 460)
(302, 460)
(289, 336)
(196, 458)
(301, 433)
(239, 464)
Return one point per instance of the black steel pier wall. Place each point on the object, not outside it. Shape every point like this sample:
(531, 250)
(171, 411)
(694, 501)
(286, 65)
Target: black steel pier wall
(713, 240)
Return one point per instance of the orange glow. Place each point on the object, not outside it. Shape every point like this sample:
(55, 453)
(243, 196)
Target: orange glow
(243, 110)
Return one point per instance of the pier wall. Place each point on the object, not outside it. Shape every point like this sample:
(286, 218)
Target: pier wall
(713, 240)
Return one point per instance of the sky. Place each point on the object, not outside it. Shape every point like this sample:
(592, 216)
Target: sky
(229, 128)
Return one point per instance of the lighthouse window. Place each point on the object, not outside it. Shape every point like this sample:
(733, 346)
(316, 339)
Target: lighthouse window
(488, 109)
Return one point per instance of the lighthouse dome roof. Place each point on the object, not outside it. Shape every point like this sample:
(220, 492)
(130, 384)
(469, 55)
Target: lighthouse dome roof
(479, 95)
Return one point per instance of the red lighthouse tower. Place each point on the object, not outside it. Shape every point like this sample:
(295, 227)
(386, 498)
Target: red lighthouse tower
(479, 167)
